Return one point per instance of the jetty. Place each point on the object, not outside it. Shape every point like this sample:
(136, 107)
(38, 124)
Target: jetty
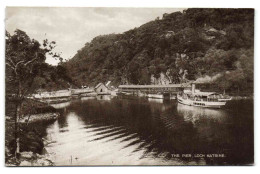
(154, 91)
(170, 88)
(168, 91)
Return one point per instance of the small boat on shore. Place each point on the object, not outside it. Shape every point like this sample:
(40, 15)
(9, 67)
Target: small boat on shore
(202, 99)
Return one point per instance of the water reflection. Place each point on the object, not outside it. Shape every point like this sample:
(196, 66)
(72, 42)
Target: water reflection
(104, 97)
(87, 98)
(61, 105)
(194, 114)
(139, 132)
(155, 100)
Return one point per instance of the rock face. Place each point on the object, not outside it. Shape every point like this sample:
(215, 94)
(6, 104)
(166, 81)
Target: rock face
(162, 80)
(25, 163)
(31, 141)
(34, 159)
(31, 146)
(31, 159)
(26, 155)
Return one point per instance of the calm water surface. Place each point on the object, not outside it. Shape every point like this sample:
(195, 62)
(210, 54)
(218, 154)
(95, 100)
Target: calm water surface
(139, 131)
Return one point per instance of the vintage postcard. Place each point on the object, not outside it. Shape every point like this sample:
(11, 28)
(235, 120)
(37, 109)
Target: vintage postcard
(89, 86)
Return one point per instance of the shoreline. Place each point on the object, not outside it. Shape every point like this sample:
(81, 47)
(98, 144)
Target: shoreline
(30, 158)
(32, 143)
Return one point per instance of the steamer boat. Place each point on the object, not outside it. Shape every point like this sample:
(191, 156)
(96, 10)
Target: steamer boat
(195, 97)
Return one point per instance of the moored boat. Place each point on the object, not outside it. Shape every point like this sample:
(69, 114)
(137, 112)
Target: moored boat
(202, 99)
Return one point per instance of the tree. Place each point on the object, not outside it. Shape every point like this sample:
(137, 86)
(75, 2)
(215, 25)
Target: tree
(179, 41)
(24, 58)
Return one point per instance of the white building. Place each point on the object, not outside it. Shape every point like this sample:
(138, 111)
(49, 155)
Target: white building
(102, 89)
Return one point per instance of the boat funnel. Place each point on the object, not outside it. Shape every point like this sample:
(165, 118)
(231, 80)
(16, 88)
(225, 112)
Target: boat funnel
(193, 88)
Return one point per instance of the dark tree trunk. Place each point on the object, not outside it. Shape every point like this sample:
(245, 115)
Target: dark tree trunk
(17, 119)
(17, 128)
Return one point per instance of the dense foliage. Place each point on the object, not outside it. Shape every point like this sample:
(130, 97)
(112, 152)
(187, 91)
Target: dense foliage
(188, 45)
(26, 69)
(24, 60)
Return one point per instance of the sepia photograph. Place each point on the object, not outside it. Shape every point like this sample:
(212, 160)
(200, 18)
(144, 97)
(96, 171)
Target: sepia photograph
(128, 86)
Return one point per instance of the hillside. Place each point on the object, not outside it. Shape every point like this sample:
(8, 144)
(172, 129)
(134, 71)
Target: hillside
(207, 45)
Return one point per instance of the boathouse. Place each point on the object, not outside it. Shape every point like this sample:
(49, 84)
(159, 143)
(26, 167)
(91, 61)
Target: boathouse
(102, 89)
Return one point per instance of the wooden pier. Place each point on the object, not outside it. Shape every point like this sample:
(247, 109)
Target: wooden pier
(153, 89)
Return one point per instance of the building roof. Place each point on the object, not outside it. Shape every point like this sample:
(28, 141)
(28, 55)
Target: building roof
(199, 93)
(108, 83)
(156, 86)
(98, 85)
(204, 93)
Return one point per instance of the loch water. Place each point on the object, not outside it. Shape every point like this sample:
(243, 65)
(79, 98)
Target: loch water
(141, 131)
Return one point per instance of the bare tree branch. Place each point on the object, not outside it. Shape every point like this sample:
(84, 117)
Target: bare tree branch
(9, 65)
(11, 61)
(30, 61)
(16, 66)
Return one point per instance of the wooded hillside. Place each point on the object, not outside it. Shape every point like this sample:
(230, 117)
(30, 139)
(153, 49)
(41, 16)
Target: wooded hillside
(208, 45)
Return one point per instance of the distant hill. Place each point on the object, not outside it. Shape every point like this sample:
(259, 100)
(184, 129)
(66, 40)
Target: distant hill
(208, 45)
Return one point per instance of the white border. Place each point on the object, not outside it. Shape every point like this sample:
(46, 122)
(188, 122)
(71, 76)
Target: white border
(133, 3)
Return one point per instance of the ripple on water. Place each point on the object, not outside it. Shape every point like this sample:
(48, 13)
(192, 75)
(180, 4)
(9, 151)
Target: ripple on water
(133, 132)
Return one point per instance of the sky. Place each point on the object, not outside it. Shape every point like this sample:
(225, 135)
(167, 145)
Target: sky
(71, 27)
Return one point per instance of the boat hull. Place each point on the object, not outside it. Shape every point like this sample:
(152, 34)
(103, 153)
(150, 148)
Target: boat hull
(204, 104)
